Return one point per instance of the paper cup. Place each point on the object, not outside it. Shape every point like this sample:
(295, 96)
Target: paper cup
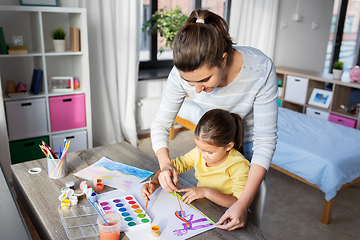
(111, 232)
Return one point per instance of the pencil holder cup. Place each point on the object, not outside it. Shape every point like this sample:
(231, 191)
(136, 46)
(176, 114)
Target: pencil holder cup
(57, 167)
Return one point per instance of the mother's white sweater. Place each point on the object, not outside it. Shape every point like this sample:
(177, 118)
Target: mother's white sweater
(252, 95)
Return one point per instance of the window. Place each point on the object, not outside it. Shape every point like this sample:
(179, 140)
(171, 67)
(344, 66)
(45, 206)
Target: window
(150, 57)
(344, 39)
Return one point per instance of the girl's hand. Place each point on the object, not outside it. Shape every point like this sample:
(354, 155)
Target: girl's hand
(148, 189)
(192, 194)
(235, 217)
(169, 177)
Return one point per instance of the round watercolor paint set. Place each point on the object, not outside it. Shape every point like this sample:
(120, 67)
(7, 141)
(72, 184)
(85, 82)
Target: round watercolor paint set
(133, 215)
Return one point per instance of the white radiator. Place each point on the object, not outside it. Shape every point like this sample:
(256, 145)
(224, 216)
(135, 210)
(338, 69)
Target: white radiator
(146, 110)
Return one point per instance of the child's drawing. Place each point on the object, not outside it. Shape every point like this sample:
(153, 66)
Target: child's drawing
(114, 174)
(188, 223)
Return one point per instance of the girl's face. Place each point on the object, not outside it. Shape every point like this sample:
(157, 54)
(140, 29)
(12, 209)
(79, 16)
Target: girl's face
(213, 155)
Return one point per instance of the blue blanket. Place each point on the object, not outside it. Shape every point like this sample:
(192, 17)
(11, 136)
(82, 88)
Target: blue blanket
(323, 153)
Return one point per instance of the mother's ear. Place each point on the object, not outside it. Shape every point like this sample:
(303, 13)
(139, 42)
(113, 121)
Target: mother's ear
(224, 60)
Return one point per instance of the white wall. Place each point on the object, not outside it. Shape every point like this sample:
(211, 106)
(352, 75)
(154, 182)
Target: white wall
(297, 45)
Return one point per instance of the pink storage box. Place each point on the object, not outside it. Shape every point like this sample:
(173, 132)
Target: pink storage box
(67, 112)
(342, 120)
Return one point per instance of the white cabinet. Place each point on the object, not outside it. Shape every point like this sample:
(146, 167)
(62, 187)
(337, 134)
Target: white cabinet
(317, 113)
(26, 118)
(34, 24)
(295, 90)
(77, 138)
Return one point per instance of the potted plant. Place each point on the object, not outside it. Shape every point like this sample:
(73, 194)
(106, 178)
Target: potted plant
(167, 22)
(337, 69)
(58, 35)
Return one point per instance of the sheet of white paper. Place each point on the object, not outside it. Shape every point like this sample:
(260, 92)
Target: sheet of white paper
(161, 209)
(114, 174)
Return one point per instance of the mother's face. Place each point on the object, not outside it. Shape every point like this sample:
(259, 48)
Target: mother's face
(203, 78)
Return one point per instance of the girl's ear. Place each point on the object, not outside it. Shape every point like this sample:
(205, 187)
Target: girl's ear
(230, 146)
(224, 60)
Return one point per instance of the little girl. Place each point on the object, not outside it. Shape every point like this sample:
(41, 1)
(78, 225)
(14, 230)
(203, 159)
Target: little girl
(220, 167)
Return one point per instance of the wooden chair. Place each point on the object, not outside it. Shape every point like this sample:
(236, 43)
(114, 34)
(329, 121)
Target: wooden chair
(258, 203)
(183, 122)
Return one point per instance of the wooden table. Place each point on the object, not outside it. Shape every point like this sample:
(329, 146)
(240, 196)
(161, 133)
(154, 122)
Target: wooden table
(39, 194)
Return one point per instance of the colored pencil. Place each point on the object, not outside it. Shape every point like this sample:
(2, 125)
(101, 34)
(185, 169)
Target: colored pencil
(64, 145)
(59, 150)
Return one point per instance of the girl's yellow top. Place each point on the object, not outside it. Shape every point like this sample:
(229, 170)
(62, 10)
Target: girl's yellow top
(229, 177)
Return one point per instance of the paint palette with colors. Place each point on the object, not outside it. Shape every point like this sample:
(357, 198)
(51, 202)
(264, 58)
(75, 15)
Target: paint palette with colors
(133, 215)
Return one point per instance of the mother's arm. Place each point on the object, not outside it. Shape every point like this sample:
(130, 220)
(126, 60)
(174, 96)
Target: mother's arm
(172, 99)
(265, 128)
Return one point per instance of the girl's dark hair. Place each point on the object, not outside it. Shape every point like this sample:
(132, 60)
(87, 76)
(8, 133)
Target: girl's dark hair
(219, 127)
(202, 44)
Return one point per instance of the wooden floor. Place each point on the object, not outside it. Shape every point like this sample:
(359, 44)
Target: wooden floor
(28, 222)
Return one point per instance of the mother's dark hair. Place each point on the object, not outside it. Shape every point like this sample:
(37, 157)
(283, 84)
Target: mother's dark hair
(202, 44)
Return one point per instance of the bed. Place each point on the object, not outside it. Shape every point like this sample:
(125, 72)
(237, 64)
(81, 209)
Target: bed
(319, 153)
(322, 154)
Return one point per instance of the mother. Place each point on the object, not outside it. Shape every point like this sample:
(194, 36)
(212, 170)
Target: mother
(216, 74)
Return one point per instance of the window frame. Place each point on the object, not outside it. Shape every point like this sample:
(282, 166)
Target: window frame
(339, 31)
(154, 63)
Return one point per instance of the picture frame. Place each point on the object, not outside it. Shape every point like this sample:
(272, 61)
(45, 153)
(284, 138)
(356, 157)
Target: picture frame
(61, 84)
(17, 40)
(320, 98)
(48, 3)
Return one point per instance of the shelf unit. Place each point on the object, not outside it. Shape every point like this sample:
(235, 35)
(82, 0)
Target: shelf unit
(34, 24)
(341, 92)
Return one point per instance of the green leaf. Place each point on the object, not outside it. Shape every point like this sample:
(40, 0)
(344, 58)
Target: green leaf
(165, 22)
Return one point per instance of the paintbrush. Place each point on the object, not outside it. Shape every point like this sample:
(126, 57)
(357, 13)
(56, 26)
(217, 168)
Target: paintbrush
(97, 211)
(178, 202)
(147, 198)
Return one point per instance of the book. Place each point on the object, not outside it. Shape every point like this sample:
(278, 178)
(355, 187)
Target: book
(3, 48)
(17, 47)
(75, 39)
(18, 52)
(36, 81)
(18, 94)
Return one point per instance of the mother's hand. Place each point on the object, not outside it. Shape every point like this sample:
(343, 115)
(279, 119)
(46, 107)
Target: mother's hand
(235, 217)
(169, 177)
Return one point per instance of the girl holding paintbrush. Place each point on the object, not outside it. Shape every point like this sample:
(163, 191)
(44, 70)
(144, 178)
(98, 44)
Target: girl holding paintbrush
(220, 166)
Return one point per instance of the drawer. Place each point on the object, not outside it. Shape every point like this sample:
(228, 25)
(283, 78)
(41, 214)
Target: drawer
(67, 112)
(317, 113)
(78, 140)
(26, 118)
(342, 120)
(296, 88)
(26, 150)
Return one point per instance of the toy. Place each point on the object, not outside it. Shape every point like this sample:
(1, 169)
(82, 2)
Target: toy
(21, 87)
(355, 74)
(76, 83)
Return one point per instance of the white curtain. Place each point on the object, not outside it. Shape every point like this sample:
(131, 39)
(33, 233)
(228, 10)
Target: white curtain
(253, 23)
(114, 29)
